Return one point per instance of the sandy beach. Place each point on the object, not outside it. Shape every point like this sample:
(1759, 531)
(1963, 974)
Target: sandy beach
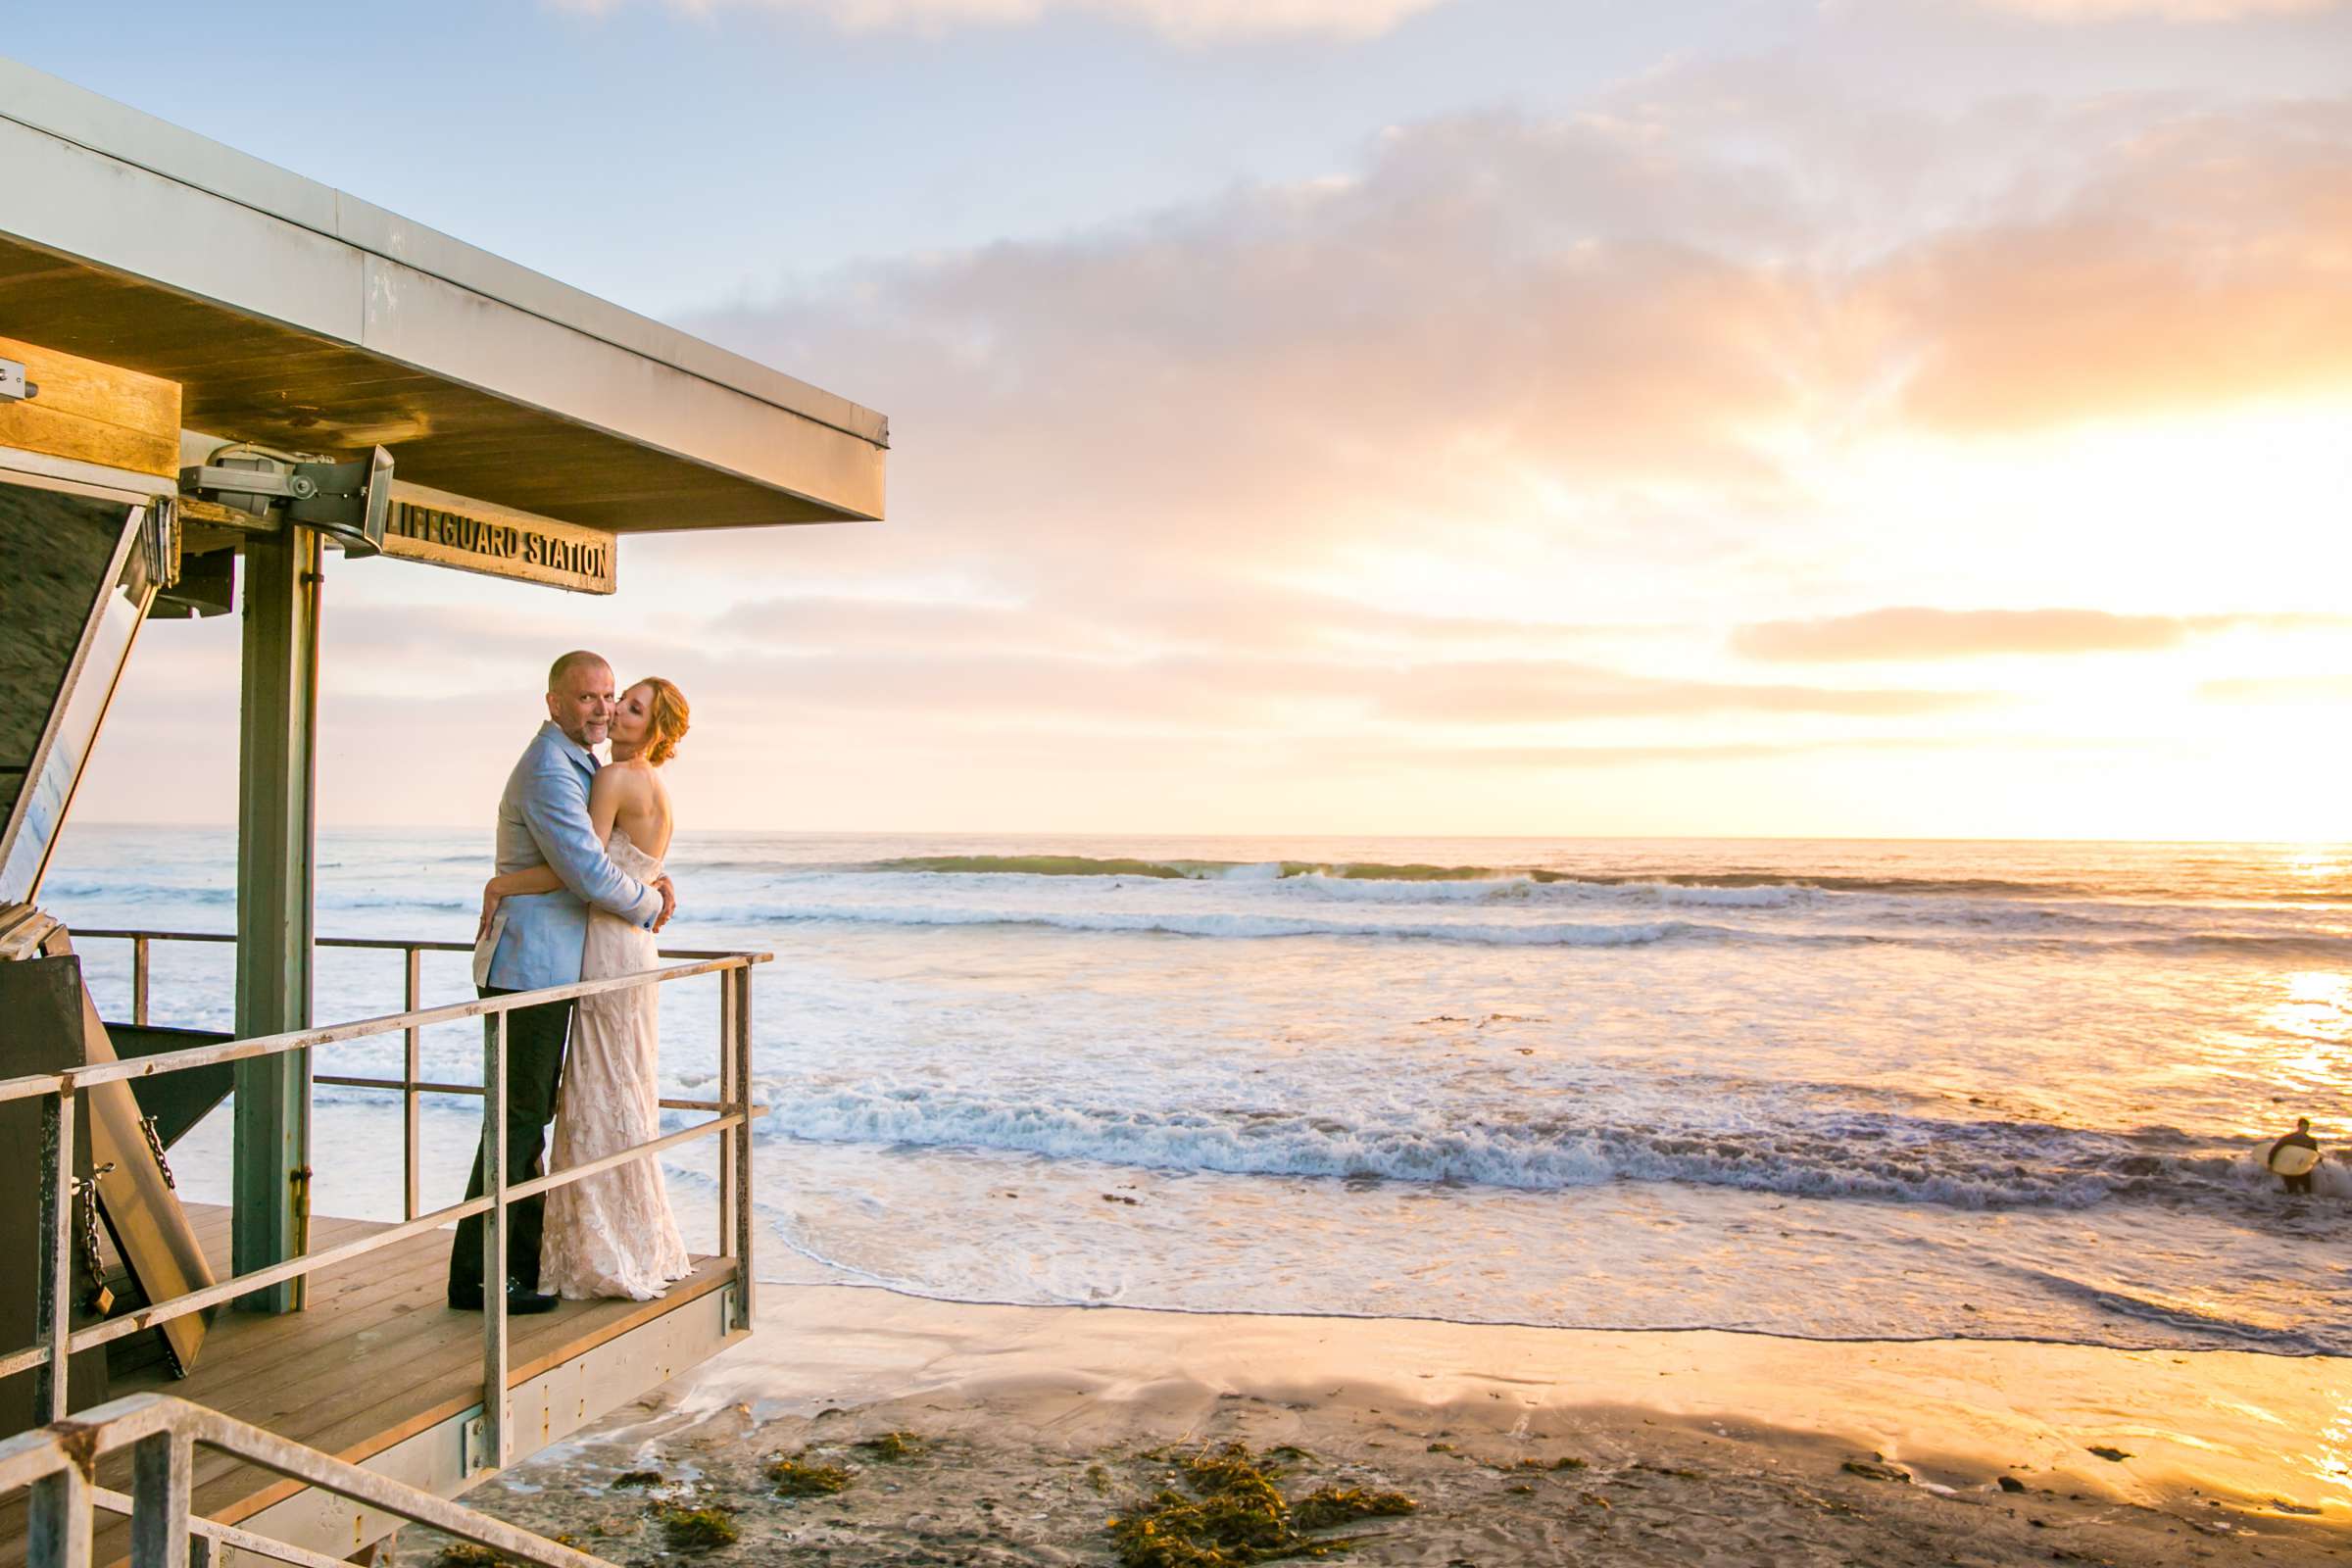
(1027, 1429)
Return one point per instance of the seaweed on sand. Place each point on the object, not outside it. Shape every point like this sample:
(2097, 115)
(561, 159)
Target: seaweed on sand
(1326, 1506)
(697, 1529)
(1239, 1516)
(796, 1476)
(891, 1446)
(466, 1554)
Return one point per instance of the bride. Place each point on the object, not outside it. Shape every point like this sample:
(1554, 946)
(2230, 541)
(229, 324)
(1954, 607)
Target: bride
(612, 1233)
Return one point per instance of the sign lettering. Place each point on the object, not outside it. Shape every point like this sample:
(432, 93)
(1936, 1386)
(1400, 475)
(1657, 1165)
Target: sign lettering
(446, 531)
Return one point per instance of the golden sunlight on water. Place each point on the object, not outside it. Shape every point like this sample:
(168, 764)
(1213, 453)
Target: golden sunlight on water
(2308, 1033)
(2331, 1456)
(2312, 863)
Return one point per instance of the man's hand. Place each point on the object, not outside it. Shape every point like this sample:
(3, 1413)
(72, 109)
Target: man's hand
(669, 901)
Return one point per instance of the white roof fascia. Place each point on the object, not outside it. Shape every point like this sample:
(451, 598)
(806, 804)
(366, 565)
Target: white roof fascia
(37, 101)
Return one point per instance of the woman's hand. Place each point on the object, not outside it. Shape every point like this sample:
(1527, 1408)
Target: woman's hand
(491, 900)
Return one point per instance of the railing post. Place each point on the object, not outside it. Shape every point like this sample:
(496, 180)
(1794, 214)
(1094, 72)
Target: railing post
(411, 1070)
(138, 982)
(58, 1533)
(727, 1095)
(494, 1247)
(740, 982)
(56, 1266)
(160, 1470)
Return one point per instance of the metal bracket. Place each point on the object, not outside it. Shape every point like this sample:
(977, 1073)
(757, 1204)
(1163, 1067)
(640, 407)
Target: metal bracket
(477, 1445)
(350, 501)
(14, 388)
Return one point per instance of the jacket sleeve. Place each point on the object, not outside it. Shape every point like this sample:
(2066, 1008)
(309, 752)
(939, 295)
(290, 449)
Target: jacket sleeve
(555, 808)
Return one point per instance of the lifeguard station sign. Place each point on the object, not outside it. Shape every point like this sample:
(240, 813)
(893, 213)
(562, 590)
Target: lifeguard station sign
(446, 531)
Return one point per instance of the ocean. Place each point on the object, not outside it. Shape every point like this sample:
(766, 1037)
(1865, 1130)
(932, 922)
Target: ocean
(1835, 1090)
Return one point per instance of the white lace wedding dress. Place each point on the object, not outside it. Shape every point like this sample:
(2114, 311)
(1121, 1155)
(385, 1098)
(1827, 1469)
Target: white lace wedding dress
(612, 1234)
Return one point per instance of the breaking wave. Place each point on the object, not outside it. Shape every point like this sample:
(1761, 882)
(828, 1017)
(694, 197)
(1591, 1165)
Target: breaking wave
(1384, 871)
(1246, 926)
(1972, 1166)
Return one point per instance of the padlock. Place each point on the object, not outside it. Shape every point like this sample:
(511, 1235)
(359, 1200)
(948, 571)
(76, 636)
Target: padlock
(100, 1299)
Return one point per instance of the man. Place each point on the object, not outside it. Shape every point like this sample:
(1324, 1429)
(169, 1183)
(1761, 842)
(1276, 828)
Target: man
(2295, 1157)
(543, 819)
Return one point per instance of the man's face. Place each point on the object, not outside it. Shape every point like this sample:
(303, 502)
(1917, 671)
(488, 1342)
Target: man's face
(582, 704)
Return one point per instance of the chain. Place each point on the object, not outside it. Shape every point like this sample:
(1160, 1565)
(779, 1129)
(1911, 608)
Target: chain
(100, 1299)
(155, 1147)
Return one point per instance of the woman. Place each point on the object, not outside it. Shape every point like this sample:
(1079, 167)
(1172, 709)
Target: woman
(612, 1233)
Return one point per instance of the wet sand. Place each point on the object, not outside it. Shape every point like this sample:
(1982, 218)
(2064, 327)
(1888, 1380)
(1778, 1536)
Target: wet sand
(1035, 1426)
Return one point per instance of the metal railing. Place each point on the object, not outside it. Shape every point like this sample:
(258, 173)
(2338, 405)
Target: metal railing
(59, 1092)
(59, 1464)
(408, 1082)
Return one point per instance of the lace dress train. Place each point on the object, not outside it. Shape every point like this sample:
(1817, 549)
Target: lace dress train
(612, 1234)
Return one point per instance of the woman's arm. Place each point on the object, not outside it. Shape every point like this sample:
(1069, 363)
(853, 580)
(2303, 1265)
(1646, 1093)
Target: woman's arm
(495, 892)
(537, 879)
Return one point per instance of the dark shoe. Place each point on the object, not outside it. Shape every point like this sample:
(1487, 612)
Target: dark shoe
(521, 1300)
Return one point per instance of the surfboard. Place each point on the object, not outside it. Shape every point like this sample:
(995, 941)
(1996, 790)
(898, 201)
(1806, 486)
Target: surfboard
(2294, 1160)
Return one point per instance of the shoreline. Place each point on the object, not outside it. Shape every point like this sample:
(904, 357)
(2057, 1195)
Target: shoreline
(1643, 1330)
(1034, 1425)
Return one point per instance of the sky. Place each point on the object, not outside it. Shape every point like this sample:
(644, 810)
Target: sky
(1858, 417)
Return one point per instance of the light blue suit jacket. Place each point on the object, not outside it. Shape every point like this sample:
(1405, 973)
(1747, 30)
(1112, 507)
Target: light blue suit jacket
(543, 820)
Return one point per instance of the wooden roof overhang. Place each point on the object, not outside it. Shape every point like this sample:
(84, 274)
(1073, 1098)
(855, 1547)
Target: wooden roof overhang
(295, 316)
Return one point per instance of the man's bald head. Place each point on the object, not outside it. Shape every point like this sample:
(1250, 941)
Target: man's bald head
(579, 697)
(557, 671)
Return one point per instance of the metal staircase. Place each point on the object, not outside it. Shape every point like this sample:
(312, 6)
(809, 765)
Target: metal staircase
(59, 1465)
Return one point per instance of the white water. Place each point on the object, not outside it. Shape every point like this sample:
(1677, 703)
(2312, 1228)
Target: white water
(1839, 1090)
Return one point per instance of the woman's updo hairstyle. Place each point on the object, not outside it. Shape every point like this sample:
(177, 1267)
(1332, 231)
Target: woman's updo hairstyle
(666, 717)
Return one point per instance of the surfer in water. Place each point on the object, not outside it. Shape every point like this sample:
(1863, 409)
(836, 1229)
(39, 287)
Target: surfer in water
(2295, 1157)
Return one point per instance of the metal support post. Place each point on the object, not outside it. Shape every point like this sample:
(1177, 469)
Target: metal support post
(410, 1071)
(58, 1531)
(276, 832)
(56, 1270)
(728, 1095)
(162, 1469)
(139, 981)
(740, 1046)
(494, 1249)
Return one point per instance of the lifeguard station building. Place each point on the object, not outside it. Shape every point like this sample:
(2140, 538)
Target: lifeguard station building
(222, 386)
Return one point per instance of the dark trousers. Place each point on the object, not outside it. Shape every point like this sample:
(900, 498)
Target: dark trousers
(535, 1037)
(2297, 1183)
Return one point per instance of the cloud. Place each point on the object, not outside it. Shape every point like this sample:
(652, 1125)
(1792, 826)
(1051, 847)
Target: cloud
(1498, 325)
(1191, 22)
(1517, 693)
(2196, 260)
(1916, 632)
(2330, 690)
(1912, 632)
(2208, 11)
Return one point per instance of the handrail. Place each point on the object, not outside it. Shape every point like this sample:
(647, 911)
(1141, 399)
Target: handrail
(411, 1081)
(378, 944)
(29, 1085)
(59, 1462)
(60, 1093)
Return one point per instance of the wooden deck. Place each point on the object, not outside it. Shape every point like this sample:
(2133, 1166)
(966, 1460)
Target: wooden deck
(379, 1358)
